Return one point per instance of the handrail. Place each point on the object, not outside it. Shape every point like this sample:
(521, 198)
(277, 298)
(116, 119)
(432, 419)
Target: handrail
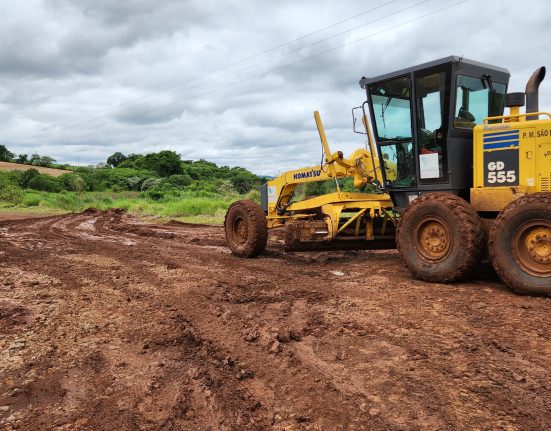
(503, 117)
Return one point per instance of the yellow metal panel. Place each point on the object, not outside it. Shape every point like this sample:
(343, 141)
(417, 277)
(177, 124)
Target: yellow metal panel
(543, 134)
(529, 141)
(495, 198)
(527, 157)
(354, 200)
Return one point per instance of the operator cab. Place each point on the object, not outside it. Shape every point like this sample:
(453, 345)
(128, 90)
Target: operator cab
(422, 120)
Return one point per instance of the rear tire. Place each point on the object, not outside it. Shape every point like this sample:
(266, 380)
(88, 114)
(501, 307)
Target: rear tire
(520, 244)
(440, 238)
(246, 229)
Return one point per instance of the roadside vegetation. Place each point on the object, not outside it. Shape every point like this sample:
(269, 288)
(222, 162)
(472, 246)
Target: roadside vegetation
(159, 184)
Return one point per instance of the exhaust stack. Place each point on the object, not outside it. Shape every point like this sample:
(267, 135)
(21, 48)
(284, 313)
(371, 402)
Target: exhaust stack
(532, 86)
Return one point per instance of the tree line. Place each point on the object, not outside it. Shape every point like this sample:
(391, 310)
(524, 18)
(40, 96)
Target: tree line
(155, 175)
(24, 159)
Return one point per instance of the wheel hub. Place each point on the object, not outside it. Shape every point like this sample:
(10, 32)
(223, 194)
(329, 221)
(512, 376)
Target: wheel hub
(240, 230)
(532, 247)
(433, 239)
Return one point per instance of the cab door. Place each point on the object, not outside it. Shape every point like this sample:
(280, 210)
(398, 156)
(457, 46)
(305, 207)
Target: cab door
(432, 104)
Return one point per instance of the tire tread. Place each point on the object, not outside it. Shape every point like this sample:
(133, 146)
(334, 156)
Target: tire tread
(472, 235)
(259, 226)
(502, 219)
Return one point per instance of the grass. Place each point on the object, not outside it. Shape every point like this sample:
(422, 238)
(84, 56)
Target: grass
(189, 207)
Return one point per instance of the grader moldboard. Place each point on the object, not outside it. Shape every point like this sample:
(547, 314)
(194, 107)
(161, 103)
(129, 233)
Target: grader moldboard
(450, 177)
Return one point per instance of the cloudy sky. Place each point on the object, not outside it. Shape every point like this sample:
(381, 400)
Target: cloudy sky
(234, 82)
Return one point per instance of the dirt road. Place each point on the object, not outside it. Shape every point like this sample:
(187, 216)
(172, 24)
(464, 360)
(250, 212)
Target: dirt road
(111, 324)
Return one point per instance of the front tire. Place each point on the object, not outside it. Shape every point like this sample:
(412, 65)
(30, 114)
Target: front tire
(440, 238)
(520, 244)
(246, 229)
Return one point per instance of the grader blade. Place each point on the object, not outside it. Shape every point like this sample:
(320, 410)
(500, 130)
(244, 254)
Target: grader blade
(312, 236)
(382, 244)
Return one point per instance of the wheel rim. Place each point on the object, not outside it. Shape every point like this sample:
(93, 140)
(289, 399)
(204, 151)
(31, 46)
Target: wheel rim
(433, 239)
(239, 229)
(531, 247)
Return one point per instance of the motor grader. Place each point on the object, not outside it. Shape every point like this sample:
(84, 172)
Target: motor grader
(446, 178)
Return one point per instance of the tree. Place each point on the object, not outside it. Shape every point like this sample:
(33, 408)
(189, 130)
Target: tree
(243, 181)
(27, 177)
(116, 159)
(5, 154)
(133, 161)
(46, 161)
(164, 163)
(23, 159)
(35, 159)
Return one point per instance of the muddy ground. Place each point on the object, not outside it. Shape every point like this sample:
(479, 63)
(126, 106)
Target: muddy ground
(107, 323)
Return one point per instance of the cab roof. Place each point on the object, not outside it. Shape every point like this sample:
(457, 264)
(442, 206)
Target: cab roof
(451, 59)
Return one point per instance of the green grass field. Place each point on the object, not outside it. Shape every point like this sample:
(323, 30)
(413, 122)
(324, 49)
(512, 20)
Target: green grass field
(186, 206)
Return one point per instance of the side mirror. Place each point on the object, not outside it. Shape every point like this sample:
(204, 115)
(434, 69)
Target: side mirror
(355, 119)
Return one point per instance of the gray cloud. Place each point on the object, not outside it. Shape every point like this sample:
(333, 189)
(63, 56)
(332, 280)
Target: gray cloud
(80, 80)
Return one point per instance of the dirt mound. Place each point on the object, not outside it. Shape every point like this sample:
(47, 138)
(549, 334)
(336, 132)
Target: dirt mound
(109, 323)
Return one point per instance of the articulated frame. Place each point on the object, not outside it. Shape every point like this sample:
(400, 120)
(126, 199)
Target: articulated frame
(360, 208)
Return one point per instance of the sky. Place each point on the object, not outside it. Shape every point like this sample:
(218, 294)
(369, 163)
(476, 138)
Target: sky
(233, 82)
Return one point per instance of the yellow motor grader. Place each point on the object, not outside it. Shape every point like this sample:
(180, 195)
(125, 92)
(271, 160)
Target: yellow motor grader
(445, 177)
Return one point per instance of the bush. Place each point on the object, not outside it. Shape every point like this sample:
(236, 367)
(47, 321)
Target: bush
(102, 179)
(45, 183)
(27, 176)
(134, 183)
(150, 183)
(32, 200)
(155, 193)
(72, 182)
(11, 193)
(179, 181)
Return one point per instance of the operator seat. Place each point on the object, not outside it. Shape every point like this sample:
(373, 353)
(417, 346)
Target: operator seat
(464, 119)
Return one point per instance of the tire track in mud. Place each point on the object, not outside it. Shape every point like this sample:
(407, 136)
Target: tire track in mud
(108, 322)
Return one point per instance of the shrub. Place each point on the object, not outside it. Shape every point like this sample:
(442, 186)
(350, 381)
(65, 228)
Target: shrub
(45, 183)
(27, 176)
(155, 193)
(102, 179)
(134, 183)
(179, 181)
(150, 183)
(11, 193)
(225, 188)
(32, 200)
(72, 182)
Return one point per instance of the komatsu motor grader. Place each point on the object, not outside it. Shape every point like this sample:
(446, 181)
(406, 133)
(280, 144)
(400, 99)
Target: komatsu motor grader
(446, 177)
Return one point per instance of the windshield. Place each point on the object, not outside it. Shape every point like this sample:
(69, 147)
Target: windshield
(392, 109)
(392, 113)
(476, 100)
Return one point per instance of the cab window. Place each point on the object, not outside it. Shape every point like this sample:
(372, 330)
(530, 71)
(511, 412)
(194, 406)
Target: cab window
(391, 107)
(431, 96)
(477, 99)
